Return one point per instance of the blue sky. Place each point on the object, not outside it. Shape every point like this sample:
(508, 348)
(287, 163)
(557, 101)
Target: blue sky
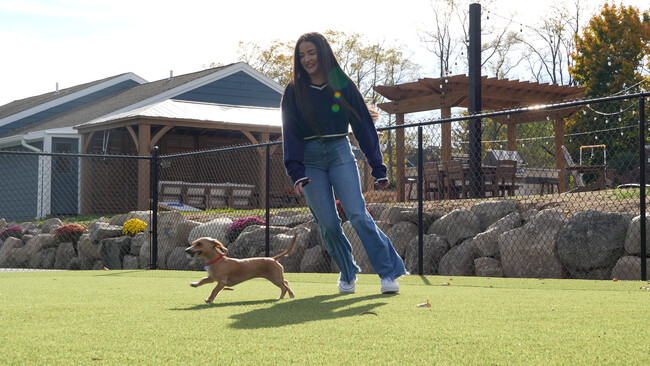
(77, 41)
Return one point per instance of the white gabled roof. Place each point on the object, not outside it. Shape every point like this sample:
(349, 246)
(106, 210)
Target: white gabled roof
(177, 109)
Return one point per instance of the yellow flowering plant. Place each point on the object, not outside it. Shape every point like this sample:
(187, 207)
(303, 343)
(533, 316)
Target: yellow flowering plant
(133, 227)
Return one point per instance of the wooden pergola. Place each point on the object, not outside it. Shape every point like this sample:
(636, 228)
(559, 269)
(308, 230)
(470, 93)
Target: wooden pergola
(442, 94)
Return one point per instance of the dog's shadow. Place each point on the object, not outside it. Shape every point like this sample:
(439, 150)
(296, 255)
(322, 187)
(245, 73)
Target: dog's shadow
(297, 311)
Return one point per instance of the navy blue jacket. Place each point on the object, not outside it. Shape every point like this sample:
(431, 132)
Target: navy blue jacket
(332, 120)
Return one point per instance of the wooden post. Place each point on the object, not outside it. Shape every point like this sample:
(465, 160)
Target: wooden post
(446, 134)
(399, 158)
(512, 136)
(559, 154)
(144, 139)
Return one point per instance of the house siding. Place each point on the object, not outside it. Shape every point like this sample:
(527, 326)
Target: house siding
(18, 175)
(239, 88)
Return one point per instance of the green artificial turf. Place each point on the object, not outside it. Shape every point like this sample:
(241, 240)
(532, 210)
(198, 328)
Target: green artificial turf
(155, 317)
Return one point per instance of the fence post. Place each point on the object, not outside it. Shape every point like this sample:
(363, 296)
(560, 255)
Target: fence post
(420, 205)
(153, 230)
(642, 182)
(267, 190)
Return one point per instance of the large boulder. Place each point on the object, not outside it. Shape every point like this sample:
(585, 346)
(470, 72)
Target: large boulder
(457, 226)
(49, 225)
(629, 268)
(102, 230)
(279, 243)
(315, 259)
(488, 267)
(119, 220)
(486, 244)
(113, 250)
(592, 240)
(633, 236)
(64, 254)
(490, 212)
(434, 248)
(529, 251)
(10, 255)
(213, 229)
(401, 235)
(458, 261)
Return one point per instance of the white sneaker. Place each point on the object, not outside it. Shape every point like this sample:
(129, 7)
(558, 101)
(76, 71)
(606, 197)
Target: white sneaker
(389, 286)
(346, 287)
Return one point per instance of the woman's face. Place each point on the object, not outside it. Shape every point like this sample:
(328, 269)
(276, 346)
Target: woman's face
(309, 60)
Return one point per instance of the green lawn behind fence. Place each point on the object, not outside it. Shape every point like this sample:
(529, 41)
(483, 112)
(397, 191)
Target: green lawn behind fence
(155, 317)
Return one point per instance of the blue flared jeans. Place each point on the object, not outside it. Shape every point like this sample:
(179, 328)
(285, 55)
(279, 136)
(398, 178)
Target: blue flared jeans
(331, 165)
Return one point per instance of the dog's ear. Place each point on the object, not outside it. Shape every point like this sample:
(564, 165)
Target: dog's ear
(219, 247)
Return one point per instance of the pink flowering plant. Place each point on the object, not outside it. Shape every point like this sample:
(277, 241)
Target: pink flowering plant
(233, 231)
(12, 231)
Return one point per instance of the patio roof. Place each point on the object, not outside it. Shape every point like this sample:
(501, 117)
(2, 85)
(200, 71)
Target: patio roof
(453, 91)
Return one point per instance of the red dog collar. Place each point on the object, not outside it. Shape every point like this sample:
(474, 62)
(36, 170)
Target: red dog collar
(214, 260)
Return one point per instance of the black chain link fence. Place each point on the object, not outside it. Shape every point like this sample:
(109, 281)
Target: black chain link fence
(553, 192)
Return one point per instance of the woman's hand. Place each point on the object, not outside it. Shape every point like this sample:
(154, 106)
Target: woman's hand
(299, 186)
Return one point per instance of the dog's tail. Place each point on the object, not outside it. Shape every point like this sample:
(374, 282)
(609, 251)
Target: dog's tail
(293, 243)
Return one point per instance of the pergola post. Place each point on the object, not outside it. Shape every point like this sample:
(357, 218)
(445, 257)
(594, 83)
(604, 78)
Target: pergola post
(144, 139)
(559, 154)
(512, 136)
(399, 158)
(445, 112)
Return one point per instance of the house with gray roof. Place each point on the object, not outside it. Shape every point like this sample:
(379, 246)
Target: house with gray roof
(124, 114)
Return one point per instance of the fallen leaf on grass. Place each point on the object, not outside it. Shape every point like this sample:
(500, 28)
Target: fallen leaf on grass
(424, 305)
(367, 313)
(445, 284)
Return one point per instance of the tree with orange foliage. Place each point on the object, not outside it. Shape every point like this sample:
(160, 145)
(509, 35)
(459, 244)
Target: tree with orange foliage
(613, 52)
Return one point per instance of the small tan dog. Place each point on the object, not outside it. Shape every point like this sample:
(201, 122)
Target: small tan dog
(231, 271)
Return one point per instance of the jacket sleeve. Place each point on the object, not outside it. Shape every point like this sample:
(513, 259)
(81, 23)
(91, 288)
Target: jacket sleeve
(292, 142)
(366, 133)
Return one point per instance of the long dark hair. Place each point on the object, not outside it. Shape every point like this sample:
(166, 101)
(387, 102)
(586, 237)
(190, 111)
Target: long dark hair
(329, 66)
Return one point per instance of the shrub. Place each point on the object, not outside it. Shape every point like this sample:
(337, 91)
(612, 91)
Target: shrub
(12, 231)
(133, 227)
(233, 231)
(68, 233)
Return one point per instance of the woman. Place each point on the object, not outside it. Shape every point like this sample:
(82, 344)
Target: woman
(318, 105)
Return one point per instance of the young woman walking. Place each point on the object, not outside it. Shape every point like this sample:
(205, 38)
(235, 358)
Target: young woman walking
(318, 106)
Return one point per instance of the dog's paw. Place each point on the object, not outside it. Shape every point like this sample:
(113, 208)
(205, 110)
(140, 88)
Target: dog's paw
(208, 301)
(194, 284)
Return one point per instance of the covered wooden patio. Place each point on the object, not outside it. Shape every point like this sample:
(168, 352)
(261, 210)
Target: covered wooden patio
(445, 93)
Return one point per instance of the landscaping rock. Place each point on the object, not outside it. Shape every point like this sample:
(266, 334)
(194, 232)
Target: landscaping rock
(401, 235)
(486, 244)
(491, 211)
(112, 251)
(488, 267)
(64, 254)
(458, 261)
(592, 239)
(434, 248)
(628, 268)
(457, 226)
(10, 258)
(633, 236)
(136, 243)
(49, 225)
(213, 229)
(101, 230)
(130, 262)
(529, 251)
(315, 260)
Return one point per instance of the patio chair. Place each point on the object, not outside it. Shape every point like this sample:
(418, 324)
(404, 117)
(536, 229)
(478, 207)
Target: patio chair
(504, 178)
(604, 180)
(455, 184)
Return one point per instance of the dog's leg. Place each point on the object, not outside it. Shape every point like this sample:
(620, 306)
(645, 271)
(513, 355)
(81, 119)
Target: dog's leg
(203, 281)
(286, 285)
(216, 290)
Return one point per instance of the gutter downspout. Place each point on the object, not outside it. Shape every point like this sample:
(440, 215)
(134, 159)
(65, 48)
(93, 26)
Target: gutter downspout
(39, 205)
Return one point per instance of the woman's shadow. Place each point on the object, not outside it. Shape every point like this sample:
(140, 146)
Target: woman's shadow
(305, 310)
(297, 311)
